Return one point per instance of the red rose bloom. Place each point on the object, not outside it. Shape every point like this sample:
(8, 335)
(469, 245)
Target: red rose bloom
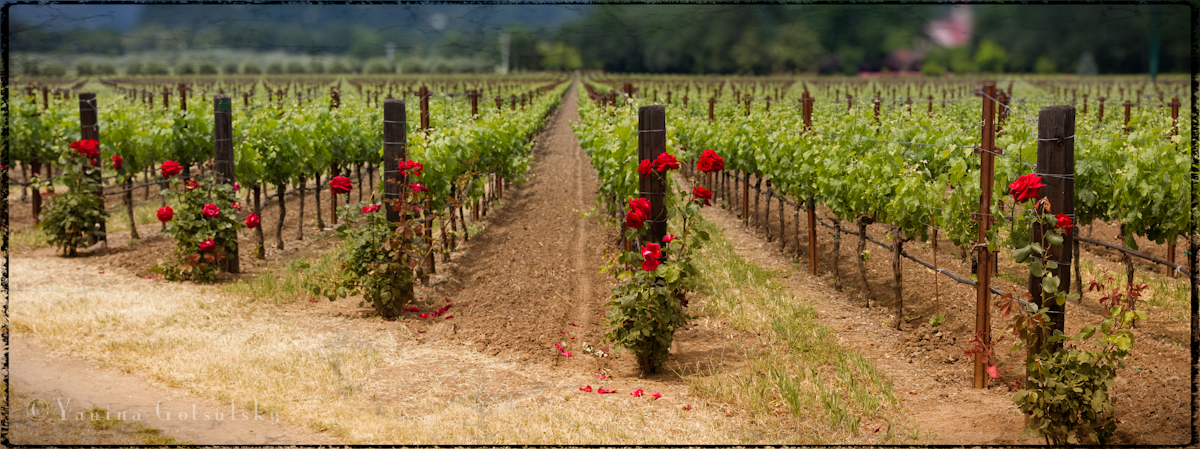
(668, 238)
(339, 184)
(94, 162)
(1026, 187)
(1065, 223)
(666, 161)
(651, 252)
(252, 221)
(87, 148)
(635, 218)
(710, 162)
(117, 160)
(641, 204)
(171, 168)
(235, 188)
(412, 168)
(702, 194)
(644, 168)
(207, 246)
(371, 208)
(210, 211)
(236, 206)
(165, 214)
(418, 187)
(191, 184)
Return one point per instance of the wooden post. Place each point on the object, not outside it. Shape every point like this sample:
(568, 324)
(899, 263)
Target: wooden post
(223, 162)
(1127, 105)
(1100, 117)
(983, 292)
(474, 103)
(1174, 131)
(182, 97)
(876, 100)
(1056, 163)
(90, 129)
(711, 102)
(652, 141)
(812, 237)
(424, 94)
(166, 97)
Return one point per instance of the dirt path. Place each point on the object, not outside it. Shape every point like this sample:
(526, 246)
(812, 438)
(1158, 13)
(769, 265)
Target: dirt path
(64, 391)
(535, 271)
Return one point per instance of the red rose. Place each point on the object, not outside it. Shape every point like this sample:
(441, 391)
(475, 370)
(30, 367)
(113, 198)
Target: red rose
(666, 161)
(641, 204)
(702, 194)
(668, 238)
(207, 245)
(94, 162)
(418, 187)
(710, 159)
(1065, 223)
(210, 211)
(651, 252)
(236, 206)
(371, 208)
(1026, 187)
(235, 188)
(252, 221)
(635, 218)
(191, 184)
(412, 168)
(87, 148)
(339, 184)
(117, 160)
(644, 168)
(171, 168)
(165, 214)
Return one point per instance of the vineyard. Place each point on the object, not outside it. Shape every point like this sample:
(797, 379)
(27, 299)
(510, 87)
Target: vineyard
(872, 249)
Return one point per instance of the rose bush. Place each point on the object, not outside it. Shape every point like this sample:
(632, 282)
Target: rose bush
(648, 303)
(71, 219)
(379, 257)
(203, 235)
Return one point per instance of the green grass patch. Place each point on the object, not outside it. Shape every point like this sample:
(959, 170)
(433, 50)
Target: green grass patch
(28, 238)
(800, 370)
(284, 283)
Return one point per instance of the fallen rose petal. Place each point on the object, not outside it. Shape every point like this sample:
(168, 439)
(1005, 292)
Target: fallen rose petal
(656, 395)
(560, 347)
(636, 393)
(573, 324)
(587, 389)
(420, 332)
(565, 354)
(687, 407)
(602, 377)
(447, 299)
(605, 391)
(449, 316)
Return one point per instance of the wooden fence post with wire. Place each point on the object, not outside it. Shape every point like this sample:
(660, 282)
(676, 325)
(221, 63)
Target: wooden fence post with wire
(89, 128)
(223, 162)
(986, 152)
(1056, 166)
(652, 141)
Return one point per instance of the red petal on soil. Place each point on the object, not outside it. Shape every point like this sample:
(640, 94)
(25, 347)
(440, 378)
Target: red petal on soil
(573, 324)
(687, 407)
(420, 332)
